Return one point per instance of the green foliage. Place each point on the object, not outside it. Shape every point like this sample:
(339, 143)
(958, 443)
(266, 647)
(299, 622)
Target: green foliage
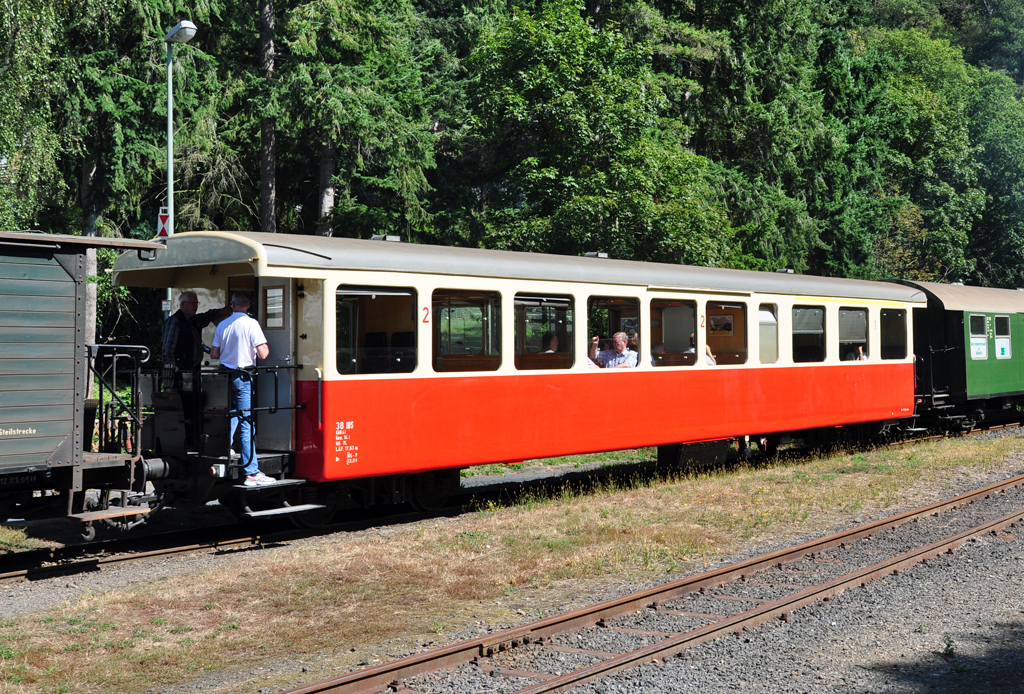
(565, 144)
(873, 138)
(30, 144)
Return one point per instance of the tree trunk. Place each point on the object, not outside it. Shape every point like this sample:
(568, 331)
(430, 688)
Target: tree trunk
(328, 156)
(268, 125)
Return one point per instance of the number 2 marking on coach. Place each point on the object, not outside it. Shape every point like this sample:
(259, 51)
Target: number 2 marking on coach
(426, 314)
(702, 320)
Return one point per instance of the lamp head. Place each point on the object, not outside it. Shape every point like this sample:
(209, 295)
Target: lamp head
(182, 32)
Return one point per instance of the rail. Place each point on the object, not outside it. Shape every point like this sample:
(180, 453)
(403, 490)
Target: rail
(392, 676)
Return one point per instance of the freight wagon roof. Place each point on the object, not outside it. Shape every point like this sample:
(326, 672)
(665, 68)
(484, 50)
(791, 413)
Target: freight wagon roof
(284, 250)
(40, 239)
(959, 297)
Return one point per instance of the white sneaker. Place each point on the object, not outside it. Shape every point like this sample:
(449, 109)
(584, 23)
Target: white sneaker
(258, 480)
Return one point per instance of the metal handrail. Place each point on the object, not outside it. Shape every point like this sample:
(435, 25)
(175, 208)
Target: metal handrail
(133, 410)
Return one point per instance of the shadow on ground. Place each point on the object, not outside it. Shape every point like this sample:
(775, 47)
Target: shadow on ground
(979, 664)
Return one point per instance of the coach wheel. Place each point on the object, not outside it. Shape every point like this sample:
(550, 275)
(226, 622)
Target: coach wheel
(429, 491)
(88, 532)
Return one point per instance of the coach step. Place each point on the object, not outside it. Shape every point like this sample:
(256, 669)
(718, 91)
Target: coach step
(283, 510)
(276, 486)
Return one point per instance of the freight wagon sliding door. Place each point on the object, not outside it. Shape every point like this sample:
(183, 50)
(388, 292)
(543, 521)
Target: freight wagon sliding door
(38, 359)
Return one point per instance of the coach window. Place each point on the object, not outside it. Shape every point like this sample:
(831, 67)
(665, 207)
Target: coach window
(467, 330)
(1003, 349)
(892, 324)
(853, 334)
(768, 334)
(673, 332)
(607, 316)
(979, 337)
(808, 333)
(375, 329)
(727, 332)
(544, 336)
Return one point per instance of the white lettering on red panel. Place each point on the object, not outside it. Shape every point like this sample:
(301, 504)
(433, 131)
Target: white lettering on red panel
(344, 449)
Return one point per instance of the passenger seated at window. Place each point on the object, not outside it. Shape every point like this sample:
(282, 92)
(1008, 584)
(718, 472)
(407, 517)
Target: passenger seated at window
(658, 348)
(856, 354)
(618, 357)
(550, 343)
(709, 356)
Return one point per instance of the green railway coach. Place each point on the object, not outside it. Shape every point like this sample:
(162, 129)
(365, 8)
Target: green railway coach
(969, 348)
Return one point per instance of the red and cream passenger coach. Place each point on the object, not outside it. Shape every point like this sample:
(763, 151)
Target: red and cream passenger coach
(408, 359)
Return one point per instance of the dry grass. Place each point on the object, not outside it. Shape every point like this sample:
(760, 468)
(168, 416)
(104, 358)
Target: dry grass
(395, 588)
(14, 539)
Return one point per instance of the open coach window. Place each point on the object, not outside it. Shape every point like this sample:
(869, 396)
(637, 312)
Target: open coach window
(853, 334)
(727, 332)
(606, 316)
(808, 333)
(467, 330)
(892, 324)
(375, 330)
(544, 335)
(673, 332)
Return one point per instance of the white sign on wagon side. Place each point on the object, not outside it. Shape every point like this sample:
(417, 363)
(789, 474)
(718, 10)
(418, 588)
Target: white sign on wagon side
(979, 348)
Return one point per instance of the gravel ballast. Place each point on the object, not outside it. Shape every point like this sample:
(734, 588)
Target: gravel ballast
(842, 645)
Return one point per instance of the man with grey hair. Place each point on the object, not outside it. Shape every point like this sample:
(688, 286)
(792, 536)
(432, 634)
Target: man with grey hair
(183, 333)
(238, 342)
(620, 356)
(183, 353)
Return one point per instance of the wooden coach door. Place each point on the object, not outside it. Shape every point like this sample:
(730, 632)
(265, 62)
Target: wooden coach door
(276, 302)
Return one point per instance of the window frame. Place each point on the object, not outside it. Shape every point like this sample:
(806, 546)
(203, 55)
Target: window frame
(666, 359)
(882, 346)
(534, 361)
(266, 307)
(844, 347)
(724, 306)
(358, 290)
(999, 339)
(824, 333)
(638, 328)
(466, 362)
(774, 310)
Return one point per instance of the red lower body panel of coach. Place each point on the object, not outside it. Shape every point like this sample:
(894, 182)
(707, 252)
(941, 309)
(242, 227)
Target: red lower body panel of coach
(376, 427)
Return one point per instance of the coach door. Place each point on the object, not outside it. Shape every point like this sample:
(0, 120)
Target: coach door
(275, 387)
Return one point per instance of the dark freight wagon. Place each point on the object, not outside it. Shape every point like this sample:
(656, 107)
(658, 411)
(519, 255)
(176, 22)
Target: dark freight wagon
(45, 440)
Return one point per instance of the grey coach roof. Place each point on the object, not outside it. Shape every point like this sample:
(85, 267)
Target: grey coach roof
(206, 248)
(957, 297)
(40, 239)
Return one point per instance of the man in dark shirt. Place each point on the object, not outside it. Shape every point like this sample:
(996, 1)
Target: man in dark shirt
(183, 351)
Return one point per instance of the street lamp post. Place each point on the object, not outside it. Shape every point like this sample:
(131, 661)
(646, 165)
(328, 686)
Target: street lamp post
(182, 32)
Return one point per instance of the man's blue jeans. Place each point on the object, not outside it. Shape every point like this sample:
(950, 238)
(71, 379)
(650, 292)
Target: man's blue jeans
(241, 399)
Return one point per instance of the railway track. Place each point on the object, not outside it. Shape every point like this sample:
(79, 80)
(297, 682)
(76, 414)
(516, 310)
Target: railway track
(96, 556)
(568, 650)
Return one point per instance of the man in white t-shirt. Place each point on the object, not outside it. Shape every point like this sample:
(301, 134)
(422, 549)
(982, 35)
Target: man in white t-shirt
(239, 340)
